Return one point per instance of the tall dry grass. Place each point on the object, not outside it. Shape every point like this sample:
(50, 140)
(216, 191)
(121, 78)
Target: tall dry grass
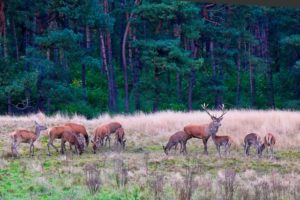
(155, 128)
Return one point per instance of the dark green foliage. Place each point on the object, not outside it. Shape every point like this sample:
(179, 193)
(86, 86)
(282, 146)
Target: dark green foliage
(179, 54)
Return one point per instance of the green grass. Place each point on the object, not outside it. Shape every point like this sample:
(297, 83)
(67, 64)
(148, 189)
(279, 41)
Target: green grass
(62, 177)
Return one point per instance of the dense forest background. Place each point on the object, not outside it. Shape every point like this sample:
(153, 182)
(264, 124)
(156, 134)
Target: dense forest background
(92, 56)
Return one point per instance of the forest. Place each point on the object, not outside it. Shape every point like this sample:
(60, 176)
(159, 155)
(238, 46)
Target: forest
(95, 56)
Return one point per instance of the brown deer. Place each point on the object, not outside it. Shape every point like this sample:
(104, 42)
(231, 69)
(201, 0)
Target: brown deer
(120, 137)
(223, 140)
(179, 137)
(56, 132)
(204, 131)
(255, 140)
(79, 130)
(25, 136)
(73, 139)
(269, 141)
(102, 134)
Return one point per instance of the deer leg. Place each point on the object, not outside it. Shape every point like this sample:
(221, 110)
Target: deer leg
(184, 147)
(50, 143)
(180, 148)
(31, 149)
(12, 149)
(62, 146)
(272, 152)
(247, 149)
(108, 138)
(219, 149)
(228, 148)
(205, 146)
(16, 144)
(258, 152)
(76, 150)
(70, 147)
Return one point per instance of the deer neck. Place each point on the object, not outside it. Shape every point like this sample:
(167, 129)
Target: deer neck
(212, 129)
(37, 132)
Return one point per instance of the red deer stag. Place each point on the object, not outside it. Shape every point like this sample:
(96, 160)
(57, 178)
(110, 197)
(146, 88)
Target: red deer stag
(25, 136)
(73, 139)
(204, 131)
(102, 134)
(179, 137)
(223, 140)
(120, 137)
(269, 141)
(79, 130)
(253, 139)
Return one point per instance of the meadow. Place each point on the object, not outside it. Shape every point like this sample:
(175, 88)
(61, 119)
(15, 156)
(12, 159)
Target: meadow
(143, 171)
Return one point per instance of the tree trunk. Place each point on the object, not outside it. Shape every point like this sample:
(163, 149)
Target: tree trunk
(9, 110)
(177, 34)
(104, 59)
(238, 82)
(83, 81)
(111, 72)
(124, 58)
(266, 56)
(88, 37)
(3, 29)
(136, 73)
(214, 75)
(192, 77)
(179, 87)
(83, 66)
(15, 39)
(252, 80)
(156, 89)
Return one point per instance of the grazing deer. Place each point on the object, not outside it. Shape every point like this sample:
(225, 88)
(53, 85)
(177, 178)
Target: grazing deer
(102, 134)
(120, 137)
(223, 140)
(269, 141)
(204, 131)
(73, 139)
(25, 136)
(179, 137)
(79, 130)
(56, 132)
(253, 139)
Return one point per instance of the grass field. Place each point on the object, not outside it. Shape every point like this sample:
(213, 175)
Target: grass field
(143, 171)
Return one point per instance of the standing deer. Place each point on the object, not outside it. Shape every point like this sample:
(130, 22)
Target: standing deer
(102, 134)
(79, 130)
(73, 139)
(25, 136)
(56, 132)
(223, 140)
(253, 139)
(120, 137)
(269, 141)
(204, 131)
(179, 137)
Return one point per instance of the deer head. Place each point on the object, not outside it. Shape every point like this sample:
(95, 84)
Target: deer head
(80, 141)
(39, 128)
(216, 121)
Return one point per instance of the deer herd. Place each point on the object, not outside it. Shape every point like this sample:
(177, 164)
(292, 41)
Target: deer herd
(77, 136)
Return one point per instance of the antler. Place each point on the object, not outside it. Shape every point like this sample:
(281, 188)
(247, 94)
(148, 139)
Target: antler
(204, 107)
(223, 112)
